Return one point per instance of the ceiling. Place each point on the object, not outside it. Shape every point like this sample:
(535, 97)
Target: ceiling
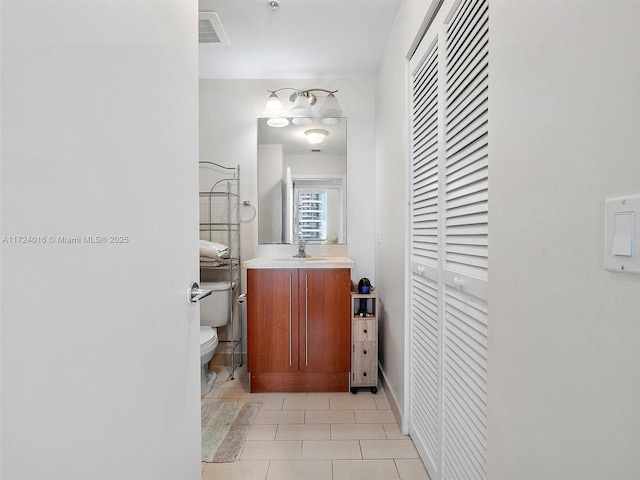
(311, 39)
(294, 142)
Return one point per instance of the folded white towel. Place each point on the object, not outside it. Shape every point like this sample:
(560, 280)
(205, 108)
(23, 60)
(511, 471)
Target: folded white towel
(213, 249)
(211, 262)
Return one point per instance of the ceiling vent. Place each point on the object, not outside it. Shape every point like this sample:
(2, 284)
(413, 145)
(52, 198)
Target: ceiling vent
(210, 31)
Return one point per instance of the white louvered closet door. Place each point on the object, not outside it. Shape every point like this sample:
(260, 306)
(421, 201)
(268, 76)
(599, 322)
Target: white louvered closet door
(449, 242)
(425, 238)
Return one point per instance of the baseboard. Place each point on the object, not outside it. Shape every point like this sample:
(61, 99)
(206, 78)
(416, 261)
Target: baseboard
(391, 397)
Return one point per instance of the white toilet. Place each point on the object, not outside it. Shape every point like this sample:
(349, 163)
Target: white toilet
(215, 311)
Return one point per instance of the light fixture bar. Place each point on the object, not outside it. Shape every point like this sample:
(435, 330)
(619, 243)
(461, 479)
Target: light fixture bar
(303, 91)
(302, 101)
(306, 93)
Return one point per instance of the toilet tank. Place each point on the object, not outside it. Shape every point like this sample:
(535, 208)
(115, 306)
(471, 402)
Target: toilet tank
(215, 310)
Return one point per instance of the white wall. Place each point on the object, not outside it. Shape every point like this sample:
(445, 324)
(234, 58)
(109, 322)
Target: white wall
(229, 110)
(564, 334)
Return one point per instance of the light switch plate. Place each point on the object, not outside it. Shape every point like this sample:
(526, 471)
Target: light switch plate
(622, 234)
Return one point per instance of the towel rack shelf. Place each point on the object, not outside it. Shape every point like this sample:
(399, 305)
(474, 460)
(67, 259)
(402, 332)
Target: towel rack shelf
(220, 222)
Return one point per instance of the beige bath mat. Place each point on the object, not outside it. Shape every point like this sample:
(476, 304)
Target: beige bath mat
(225, 426)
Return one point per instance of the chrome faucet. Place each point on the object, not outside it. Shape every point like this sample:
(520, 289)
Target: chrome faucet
(301, 252)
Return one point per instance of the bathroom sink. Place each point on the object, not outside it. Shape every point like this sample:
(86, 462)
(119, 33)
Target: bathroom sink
(294, 262)
(299, 259)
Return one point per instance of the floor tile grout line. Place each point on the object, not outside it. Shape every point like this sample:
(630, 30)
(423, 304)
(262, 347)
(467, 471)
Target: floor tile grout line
(387, 434)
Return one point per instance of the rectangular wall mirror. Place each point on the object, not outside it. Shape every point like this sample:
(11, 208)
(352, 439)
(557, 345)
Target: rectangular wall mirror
(302, 186)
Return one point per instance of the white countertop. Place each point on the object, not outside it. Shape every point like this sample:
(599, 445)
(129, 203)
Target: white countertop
(292, 262)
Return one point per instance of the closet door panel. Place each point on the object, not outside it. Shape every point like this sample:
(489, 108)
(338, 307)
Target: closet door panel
(466, 206)
(425, 161)
(425, 379)
(465, 267)
(465, 386)
(424, 254)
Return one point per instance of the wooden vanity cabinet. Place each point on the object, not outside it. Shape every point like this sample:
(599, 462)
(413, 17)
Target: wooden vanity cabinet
(298, 329)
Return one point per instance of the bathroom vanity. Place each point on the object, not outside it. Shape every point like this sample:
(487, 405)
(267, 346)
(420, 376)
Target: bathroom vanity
(298, 324)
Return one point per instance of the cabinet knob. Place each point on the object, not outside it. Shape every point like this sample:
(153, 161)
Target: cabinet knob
(365, 330)
(364, 374)
(365, 352)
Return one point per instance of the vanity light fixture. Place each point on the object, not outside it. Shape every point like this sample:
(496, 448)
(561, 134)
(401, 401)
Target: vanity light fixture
(316, 135)
(301, 110)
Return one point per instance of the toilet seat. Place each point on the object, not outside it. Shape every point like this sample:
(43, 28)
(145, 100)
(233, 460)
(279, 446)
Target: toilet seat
(208, 342)
(208, 335)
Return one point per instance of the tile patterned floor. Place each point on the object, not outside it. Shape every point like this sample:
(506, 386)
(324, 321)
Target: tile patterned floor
(316, 436)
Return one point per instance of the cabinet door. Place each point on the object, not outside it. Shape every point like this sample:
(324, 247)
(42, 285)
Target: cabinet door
(325, 323)
(365, 363)
(272, 320)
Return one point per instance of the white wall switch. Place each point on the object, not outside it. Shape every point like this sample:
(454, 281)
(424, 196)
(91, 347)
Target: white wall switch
(621, 234)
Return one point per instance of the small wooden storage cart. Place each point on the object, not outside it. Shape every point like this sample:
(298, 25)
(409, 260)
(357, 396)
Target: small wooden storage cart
(364, 341)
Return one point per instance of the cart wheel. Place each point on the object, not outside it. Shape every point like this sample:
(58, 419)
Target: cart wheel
(374, 389)
(354, 390)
